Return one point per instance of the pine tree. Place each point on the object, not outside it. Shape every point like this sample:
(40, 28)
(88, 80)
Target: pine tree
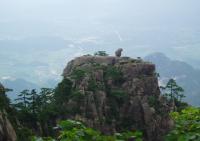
(173, 91)
(23, 100)
(45, 97)
(33, 101)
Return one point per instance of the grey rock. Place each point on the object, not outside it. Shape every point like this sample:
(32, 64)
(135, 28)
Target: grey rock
(7, 132)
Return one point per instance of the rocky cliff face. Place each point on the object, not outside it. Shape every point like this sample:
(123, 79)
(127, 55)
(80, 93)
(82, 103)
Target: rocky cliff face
(7, 132)
(114, 94)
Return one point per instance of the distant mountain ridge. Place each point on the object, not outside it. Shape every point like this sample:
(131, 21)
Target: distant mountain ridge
(187, 76)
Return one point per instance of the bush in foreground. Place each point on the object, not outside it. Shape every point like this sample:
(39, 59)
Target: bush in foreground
(76, 131)
(187, 125)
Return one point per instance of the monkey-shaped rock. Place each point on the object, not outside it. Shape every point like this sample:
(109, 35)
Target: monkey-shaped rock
(118, 52)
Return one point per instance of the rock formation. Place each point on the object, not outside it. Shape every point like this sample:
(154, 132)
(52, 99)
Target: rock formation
(7, 132)
(117, 96)
(118, 52)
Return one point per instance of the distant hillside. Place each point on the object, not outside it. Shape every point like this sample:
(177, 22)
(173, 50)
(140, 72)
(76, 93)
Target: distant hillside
(185, 74)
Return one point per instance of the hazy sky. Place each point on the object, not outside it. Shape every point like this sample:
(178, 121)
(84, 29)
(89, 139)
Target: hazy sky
(51, 32)
(50, 17)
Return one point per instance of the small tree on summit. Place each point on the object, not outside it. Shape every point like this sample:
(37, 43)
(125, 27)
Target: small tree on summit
(100, 53)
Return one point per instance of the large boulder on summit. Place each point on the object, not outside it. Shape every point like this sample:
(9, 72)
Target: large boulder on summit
(114, 94)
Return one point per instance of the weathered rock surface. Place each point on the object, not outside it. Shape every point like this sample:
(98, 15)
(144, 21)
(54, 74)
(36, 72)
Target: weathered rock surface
(7, 132)
(117, 94)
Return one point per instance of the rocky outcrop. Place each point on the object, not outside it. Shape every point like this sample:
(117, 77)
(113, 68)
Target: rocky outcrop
(7, 132)
(113, 94)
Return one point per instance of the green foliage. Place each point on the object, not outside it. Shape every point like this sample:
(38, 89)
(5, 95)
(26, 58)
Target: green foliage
(187, 125)
(78, 74)
(116, 99)
(181, 105)
(4, 101)
(100, 53)
(115, 74)
(97, 66)
(77, 96)
(33, 102)
(34, 99)
(46, 107)
(118, 93)
(42, 139)
(92, 85)
(152, 101)
(28, 100)
(23, 99)
(36, 108)
(137, 136)
(63, 91)
(76, 131)
(70, 124)
(173, 92)
(46, 96)
(24, 134)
